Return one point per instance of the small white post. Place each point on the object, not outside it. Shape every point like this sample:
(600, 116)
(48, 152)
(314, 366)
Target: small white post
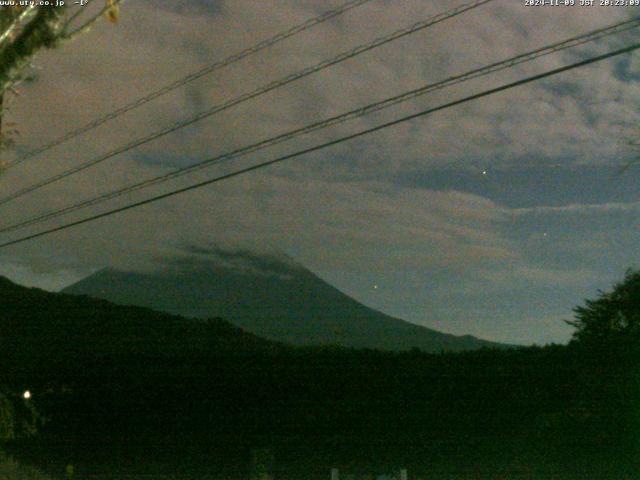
(403, 474)
(335, 474)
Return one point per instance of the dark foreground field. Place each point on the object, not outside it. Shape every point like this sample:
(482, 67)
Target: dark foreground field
(556, 412)
(130, 392)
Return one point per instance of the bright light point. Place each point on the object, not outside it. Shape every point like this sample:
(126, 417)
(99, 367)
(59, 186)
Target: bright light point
(26, 395)
(544, 234)
(484, 172)
(375, 287)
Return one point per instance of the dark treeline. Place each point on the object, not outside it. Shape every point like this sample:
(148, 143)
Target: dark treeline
(129, 390)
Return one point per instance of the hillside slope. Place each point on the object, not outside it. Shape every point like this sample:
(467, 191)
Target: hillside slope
(50, 332)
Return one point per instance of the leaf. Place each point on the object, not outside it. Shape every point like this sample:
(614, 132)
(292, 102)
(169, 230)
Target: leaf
(113, 12)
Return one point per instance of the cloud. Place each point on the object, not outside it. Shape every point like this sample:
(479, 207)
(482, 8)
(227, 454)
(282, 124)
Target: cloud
(246, 262)
(538, 276)
(153, 46)
(342, 209)
(330, 223)
(579, 209)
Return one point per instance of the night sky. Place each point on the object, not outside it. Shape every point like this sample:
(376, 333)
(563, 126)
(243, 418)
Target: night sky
(493, 218)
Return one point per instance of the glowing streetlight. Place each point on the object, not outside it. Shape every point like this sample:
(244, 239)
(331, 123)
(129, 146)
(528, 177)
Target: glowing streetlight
(26, 395)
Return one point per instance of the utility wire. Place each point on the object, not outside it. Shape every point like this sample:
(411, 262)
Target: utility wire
(351, 4)
(338, 119)
(315, 148)
(248, 96)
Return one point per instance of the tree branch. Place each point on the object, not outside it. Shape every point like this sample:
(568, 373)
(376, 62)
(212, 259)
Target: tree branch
(89, 23)
(11, 28)
(41, 32)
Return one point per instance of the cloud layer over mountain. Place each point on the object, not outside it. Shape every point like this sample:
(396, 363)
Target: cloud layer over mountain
(498, 215)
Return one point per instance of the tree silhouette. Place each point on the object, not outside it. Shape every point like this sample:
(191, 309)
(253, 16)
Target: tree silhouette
(27, 29)
(612, 317)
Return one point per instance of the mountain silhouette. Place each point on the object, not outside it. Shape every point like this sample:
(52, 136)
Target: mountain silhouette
(271, 297)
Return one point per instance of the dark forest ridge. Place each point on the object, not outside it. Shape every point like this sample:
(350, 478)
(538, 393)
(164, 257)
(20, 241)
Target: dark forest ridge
(273, 298)
(43, 331)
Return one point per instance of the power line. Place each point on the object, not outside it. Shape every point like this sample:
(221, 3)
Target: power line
(430, 21)
(338, 119)
(315, 148)
(193, 76)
